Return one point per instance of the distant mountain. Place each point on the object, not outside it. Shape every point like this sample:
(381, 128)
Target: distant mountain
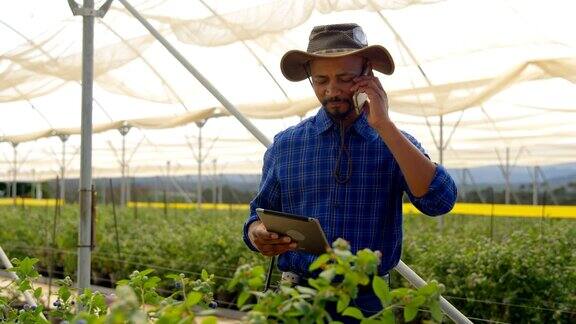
(556, 175)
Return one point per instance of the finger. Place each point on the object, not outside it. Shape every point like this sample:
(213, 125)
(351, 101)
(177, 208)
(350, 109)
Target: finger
(271, 250)
(261, 233)
(378, 83)
(372, 93)
(366, 83)
(286, 247)
(364, 78)
(281, 240)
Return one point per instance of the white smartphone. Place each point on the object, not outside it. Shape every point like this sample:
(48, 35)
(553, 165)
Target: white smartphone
(360, 98)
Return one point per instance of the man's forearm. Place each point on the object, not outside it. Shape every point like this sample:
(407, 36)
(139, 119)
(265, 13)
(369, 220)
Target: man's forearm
(417, 169)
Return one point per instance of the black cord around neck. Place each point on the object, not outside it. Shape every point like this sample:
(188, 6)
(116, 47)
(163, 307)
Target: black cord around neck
(343, 150)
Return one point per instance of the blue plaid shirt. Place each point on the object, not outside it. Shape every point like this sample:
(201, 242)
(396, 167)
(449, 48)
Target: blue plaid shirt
(297, 178)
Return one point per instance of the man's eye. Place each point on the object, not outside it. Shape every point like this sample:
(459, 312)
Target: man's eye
(346, 80)
(320, 81)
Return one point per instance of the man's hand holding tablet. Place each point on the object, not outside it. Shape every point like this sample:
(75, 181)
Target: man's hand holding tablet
(269, 243)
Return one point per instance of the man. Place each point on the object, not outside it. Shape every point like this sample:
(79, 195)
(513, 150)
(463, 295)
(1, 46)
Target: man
(347, 169)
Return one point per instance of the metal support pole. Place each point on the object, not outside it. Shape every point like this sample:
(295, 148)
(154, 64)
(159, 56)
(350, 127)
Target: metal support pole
(33, 184)
(214, 182)
(85, 227)
(547, 184)
(124, 184)
(220, 187)
(63, 139)
(534, 186)
(199, 160)
(15, 171)
(227, 104)
(462, 188)
(448, 309)
(478, 192)
(507, 177)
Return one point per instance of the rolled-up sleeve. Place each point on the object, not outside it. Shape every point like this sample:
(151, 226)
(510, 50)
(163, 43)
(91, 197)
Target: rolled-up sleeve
(442, 191)
(268, 195)
(441, 195)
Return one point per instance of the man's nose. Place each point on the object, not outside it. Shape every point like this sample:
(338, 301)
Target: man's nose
(332, 89)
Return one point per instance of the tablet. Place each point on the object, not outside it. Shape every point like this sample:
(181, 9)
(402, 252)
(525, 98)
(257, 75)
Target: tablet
(306, 231)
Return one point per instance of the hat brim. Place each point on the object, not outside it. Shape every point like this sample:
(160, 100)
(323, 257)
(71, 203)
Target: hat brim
(293, 62)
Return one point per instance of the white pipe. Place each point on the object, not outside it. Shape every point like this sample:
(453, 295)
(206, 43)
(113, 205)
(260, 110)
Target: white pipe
(448, 309)
(8, 265)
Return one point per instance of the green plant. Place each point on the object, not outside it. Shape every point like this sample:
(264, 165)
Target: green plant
(339, 275)
(26, 273)
(136, 300)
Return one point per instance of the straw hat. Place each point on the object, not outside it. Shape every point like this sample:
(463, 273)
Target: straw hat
(335, 41)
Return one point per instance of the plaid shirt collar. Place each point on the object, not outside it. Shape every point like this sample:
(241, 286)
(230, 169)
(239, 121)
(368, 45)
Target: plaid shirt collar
(360, 125)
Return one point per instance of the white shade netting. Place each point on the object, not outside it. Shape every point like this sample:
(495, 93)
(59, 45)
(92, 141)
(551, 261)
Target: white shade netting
(500, 73)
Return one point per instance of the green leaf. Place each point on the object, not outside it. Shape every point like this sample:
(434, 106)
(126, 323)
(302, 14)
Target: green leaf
(210, 320)
(343, 302)
(318, 283)
(122, 282)
(306, 290)
(64, 293)
(256, 283)
(193, 298)
(410, 313)
(319, 262)
(99, 305)
(328, 274)
(146, 272)
(381, 290)
(24, 285)
(258, 271)
(173, 276)
(388, 316)
(353, 312)
(400, 292)
(417, 301)
(243, 298)
(151, 283)
(429, 289)
(204, 275)
(233, 283)
(37, 292)
(436, 311)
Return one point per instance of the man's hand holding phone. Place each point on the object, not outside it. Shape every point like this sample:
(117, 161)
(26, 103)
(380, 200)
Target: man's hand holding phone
(269, 243)
(377, 105)
(360, 98)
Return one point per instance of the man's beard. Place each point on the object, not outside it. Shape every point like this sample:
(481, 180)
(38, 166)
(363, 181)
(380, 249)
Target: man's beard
(338, 115)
